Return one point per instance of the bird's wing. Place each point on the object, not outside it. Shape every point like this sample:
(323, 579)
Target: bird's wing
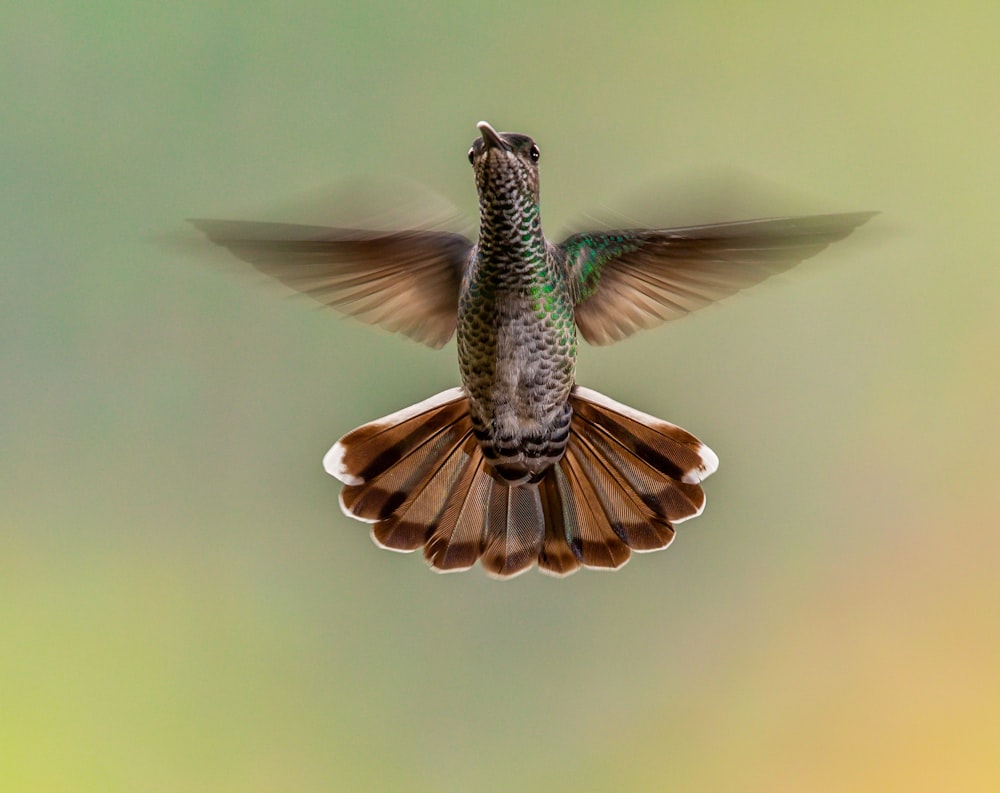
(632, 279)
(405, 282)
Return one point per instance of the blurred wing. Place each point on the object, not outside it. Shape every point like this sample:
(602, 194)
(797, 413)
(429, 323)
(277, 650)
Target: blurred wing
(404, 281)
(633, 279)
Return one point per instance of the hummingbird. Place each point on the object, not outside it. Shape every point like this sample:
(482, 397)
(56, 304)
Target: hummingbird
(520, 465)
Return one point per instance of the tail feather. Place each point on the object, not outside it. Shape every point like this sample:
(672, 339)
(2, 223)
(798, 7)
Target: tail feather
(636, 524)
(386, 492)
(454, 540)
(420, 477)
(375, 447)
(556, 557)
(591, 536)
(515, 529)
(409, 527)
(666, 447)
(662, 494)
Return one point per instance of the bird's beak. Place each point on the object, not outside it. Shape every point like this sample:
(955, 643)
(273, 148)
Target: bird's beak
(491, 137)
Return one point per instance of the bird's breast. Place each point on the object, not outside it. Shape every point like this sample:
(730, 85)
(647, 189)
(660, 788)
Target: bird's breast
(517, 353)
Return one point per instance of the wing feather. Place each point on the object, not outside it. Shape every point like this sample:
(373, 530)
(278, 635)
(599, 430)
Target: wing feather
(405, 282)
(632, 279)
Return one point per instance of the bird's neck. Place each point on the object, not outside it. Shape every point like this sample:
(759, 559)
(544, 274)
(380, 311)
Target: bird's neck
(510, 231)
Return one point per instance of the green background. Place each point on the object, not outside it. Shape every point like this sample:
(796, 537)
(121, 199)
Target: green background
(183, 607)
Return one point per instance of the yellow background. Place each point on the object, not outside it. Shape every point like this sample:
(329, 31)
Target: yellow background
(183, 607)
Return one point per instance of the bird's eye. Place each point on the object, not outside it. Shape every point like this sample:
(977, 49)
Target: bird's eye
(471, 155)
(535, 154)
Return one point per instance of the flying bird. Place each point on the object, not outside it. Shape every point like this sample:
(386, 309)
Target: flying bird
(520, 465)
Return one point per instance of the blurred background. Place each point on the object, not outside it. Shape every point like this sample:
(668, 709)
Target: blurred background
(185, 608)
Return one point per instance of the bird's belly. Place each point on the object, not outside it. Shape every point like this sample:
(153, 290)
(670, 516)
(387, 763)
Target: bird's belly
(517, 365)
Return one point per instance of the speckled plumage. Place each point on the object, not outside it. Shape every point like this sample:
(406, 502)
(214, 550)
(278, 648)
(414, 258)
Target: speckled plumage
(521, 466)
(516, 331)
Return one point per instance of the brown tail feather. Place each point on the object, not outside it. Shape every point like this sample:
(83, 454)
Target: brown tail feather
(591, 536)
(556, 557)
(408, 528)
(455, 538)
(631, 518)
(420, 478)
(385, 493)
(515, 529)
(375, 447)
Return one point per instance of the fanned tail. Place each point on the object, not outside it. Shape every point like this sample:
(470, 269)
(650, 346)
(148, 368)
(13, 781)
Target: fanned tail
(420, 477)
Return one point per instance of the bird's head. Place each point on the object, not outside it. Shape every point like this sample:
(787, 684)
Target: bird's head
(506, 167)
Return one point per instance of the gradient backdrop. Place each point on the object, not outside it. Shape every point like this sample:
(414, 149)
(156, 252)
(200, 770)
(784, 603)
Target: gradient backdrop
(184, 608)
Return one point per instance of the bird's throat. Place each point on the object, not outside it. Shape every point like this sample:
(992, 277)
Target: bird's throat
(510, 232)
